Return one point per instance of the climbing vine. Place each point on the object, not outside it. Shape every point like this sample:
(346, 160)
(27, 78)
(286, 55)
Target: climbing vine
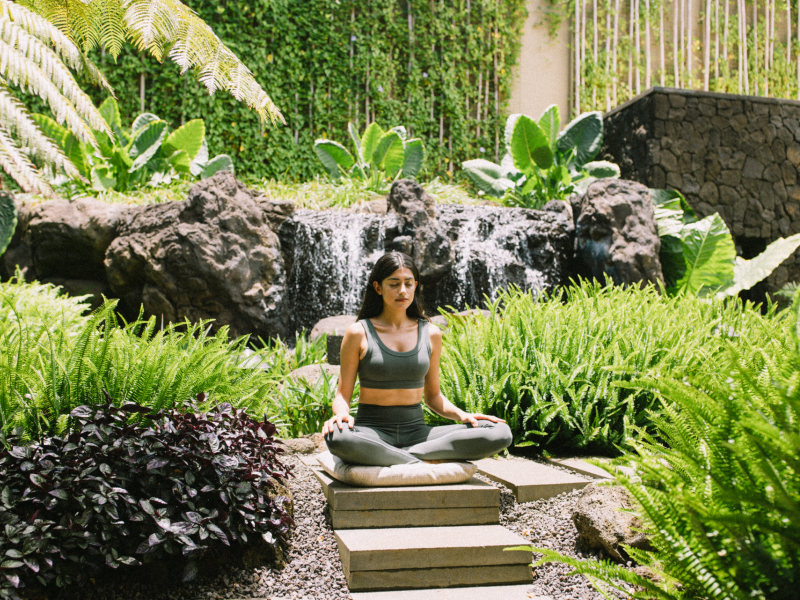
(442, 69)
(619, 48)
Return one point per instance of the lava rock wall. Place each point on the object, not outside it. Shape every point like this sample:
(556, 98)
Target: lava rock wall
(734, 155)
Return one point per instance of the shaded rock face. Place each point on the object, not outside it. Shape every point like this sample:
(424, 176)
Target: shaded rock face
(602, 526)
(616, 233)
(467, 252)
(212, 256)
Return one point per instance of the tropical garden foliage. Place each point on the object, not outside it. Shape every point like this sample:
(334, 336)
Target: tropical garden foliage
(717, 481)
(43, 39)
(543, 163)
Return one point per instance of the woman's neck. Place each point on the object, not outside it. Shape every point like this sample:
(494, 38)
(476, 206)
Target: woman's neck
(394, 318)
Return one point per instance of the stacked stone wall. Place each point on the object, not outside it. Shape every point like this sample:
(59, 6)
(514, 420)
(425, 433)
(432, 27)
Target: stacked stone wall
(735, 155)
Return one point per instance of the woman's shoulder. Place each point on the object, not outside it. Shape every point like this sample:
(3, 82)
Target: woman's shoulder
(356, 329)
(433, 331)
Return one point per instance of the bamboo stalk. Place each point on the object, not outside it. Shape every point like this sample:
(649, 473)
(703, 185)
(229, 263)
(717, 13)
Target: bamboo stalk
(743, 44)
(583, 35)
(661, 41)
(637, 52)
(725, 36)
(141, 92)
(594, 50)
(755, 47)
(630, 48)
(739, 45)
(608, 52)
(683, 42)
(766, 46)
(675, 46)
(788, 32)
(577, 74)
(689, 54)
(707, 46)
(647, 43)
(716, 41)
(614, 57)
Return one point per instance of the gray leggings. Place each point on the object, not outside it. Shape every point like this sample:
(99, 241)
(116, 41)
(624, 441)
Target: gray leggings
(395, 435)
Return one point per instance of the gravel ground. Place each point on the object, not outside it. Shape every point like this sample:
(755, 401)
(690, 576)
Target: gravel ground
(314, 571)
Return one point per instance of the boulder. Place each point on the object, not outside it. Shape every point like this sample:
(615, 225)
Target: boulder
(616, 232)
(416, 232)
(212, 256)
(66, 239)
(311, 374)
(602, 525)
(299, 446)
(319, 441)
(334, 328)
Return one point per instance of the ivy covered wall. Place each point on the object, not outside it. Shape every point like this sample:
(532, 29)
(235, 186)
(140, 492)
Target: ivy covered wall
(442, 69)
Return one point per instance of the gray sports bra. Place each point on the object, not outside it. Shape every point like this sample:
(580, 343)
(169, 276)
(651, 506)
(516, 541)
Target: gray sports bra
(385, 369)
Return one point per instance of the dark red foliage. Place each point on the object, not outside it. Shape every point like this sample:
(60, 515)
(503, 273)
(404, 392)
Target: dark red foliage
(110, 492)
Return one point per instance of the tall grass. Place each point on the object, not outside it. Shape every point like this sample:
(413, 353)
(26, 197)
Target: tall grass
(551, 366)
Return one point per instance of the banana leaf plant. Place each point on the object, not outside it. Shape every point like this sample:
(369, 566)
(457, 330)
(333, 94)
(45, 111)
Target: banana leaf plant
(698, 256)
(148, 154)
(541, 163)
(380, 156)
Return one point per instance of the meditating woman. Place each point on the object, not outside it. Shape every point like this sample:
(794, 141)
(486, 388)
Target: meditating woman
(395, 351)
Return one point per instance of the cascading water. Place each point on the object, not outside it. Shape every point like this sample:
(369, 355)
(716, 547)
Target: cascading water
(329, 256)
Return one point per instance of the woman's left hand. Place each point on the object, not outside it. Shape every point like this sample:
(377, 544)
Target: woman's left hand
(472, 419)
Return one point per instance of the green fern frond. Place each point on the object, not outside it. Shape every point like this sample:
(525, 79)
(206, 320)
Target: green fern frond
(18, 120)
(19, 167)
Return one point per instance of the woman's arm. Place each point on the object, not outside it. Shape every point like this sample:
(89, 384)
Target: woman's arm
(350, 354)
(434, 397)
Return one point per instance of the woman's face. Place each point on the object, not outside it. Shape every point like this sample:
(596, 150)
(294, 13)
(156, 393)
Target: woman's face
(398, 289)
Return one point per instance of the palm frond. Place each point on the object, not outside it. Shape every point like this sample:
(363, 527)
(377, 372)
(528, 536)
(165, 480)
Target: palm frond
(17, 120)
(19, 167)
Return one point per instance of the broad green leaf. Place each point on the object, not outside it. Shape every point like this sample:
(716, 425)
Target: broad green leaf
(75, 153)
(488, 177)
(747, 273)
(334, 157)
(51, 129)
(601, 169)
(709, 254)
(221, 162)
(413, 156)
(146, 142)
(401, 131)
(102, 180)
(529, 146)
(388, 153)
(584, 134)
(188, 137)
(669, 221)
(511, 121)
(199, 161)
(143, 120)
(8, 220)
(121, 163)
(369, 141)
(109, 110)
(180, 161)
(674, 200)
(351, 129)
(673, 264)
(550, 122)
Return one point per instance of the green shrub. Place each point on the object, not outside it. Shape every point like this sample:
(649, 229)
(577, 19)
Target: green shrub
(108, 493)
(550, 367)
(718, 484)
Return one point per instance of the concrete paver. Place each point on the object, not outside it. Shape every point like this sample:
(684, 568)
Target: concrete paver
(473, 493)
(415, 517)
(495, 592)
(448, 577)
(581, 466)
(429, 547)
(529, 480)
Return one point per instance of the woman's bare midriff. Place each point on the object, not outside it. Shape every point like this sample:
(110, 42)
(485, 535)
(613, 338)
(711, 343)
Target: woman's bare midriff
(390, 397)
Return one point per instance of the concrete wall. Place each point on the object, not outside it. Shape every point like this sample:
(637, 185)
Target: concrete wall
(543, 74)
(735, 155)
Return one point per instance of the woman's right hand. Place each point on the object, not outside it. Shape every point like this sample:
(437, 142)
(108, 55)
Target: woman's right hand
(337, 421)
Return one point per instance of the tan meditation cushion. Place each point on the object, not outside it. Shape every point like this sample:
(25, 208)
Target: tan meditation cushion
(397, 475)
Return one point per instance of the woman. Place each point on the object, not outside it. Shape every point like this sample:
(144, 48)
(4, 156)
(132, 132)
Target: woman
(395, 351)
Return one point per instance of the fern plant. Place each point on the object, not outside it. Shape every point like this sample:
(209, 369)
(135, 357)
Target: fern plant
(41, 40)
(718, 482)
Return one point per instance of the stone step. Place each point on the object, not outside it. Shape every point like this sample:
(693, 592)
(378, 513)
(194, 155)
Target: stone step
(415, 517)
(581, 466)
(428, 557)
(471, 494)
(528, 479)
(495, 592)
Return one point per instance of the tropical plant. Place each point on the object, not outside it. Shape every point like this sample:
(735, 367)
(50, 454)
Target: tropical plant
(549, 365)
(717, 485)
(542, 164)
(380, 157)
(148, 154)
(43, 39)
(113, 491)
(8, 220)
(699, 257)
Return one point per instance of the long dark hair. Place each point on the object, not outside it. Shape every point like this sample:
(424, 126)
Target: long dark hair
(372, 302)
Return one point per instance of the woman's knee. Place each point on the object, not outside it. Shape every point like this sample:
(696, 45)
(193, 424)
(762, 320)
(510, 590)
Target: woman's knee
(499, 433)
(339, 439)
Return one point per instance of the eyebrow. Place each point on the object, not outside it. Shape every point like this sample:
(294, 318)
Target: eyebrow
(398, 279)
